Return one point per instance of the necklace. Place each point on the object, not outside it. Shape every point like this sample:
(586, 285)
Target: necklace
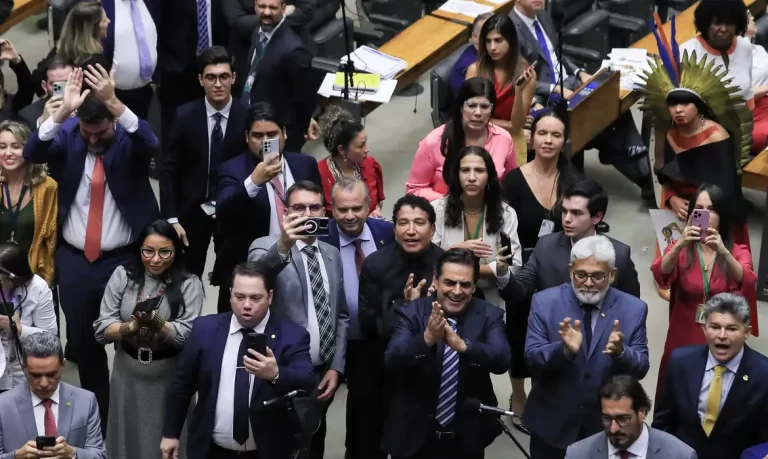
(473, 212)
(536, 171)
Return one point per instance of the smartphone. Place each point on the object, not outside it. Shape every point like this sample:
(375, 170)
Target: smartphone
(209, 208)
(700, 218)
(45, 442)
(147, 305)
(520, 80)
(505, 241)
(318, 226)
(270, 148)
(258, 342)
(58, 88)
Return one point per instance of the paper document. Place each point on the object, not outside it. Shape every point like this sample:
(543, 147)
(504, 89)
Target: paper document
(631, 63)
(667, 227)
(497, 2)
(466, 8)
(371, 60)
(383, 95)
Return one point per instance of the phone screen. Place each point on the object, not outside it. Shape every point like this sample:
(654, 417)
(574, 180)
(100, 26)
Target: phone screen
(45, 442)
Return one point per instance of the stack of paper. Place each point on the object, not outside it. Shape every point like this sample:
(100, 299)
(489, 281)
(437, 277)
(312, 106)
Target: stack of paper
(370, 60)
(465, 8)
(630, 62)
(383, 95)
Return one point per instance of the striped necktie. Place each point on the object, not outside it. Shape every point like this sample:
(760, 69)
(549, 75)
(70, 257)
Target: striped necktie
(449, 384)
(203, 34)
(322, 305)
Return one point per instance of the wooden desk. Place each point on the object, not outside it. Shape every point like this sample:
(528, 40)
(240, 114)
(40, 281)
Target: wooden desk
(504, 8)
(22, 9)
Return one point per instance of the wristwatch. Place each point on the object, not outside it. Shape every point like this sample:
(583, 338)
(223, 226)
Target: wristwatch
(274, 380)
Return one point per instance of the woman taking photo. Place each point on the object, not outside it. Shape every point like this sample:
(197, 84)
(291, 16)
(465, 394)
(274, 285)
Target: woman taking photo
(534, 191)
(347, 142)
(148, 308)
(473, 216)
(32, 303)
(499, 61)
(29, 202)
(470, 124)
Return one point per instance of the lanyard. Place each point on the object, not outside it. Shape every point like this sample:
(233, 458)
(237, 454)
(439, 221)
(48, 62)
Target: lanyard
(14, 212)
(479, 227)
(280, 194)
(704, 272)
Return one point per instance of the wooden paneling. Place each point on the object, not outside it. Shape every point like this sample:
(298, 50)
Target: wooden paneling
(22, 9)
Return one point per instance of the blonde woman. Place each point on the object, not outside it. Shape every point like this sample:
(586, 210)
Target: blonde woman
(84, 28)
(29, 206)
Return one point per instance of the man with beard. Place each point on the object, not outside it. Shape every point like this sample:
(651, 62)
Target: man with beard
(579, 334)
(625, 406)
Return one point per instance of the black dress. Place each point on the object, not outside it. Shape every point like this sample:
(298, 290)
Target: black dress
(530, 213)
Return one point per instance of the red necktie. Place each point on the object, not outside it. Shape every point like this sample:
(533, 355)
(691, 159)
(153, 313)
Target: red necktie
(50, 420)
(359, 256)
(92, 248)
(277, 187)
(624, 454)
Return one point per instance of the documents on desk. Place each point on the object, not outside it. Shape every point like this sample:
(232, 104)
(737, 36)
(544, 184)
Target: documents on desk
(383, 95)
(466, 8)
(370, 60)
(630, 62)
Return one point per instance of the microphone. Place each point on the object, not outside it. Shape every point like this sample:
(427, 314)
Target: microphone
(473, 404)
(7, 273)
(282, 398)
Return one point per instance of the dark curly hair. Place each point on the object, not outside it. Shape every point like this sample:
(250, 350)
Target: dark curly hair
(339, 128)
(731, 12)
(454, 208)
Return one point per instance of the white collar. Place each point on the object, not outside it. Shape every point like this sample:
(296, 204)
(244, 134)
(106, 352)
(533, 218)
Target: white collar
(210, 111)
(345, 240)
(235, 326)
(638, 449)
(301, 244)
(732, 365)
(37, 400)
(528, 21)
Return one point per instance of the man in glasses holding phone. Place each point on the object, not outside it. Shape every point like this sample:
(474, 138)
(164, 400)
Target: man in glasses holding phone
(309, 290)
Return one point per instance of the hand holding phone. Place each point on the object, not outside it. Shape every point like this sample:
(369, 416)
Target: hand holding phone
(317, 226)
(700, 218)
(527, 74)
(43, 441)
(258, 342)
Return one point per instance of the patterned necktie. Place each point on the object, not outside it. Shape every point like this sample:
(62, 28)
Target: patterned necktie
(322, 306)
(203, 38)
(49, 420)
(92, 248)
(713, 399)
(545, 50)
(145, 59)
(359, 256)
(217, 139)
(586, 324)
(449, 384)
(240, 421)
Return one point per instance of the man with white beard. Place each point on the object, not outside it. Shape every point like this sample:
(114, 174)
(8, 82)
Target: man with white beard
(579, 334)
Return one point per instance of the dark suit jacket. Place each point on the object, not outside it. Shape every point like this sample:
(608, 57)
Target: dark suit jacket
(31, 113)
(184, 165)
(241, 219)
(548, 267)
(383, 233)
(285, 78)
(198, 370)
(177, 34)
(532, 52)
(126, 164)
(743, 420)
(411, 420)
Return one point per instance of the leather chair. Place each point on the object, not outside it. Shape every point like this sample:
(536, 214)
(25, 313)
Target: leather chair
(440, 88)
(628, 20)
(327, 32)
(761, 37)
(384, 19)
(665, 5)
(587, 29)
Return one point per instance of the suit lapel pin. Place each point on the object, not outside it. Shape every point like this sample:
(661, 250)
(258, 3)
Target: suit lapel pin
(273, 336)
(68, 403)
(746, 378)
(602, 314)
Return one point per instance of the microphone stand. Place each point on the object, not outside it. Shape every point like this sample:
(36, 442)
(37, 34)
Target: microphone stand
(352, 106)
(8, 310)
(561, 106)
(506, 430)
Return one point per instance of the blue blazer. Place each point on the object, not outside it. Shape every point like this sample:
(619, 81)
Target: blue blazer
(126, 164)
(383, 232)
(743, 420)
(756, 452)
(198, 370)
(564, 398)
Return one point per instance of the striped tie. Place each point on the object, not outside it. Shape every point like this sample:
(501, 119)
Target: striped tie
(322, 306)
(449, 384)
(203, 39)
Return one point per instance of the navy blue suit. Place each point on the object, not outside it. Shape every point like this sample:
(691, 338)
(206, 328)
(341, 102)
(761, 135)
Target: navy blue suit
(411, 421)
(743, 419)
(198, 370)
(563, 406)
(242, 219)
(383, 232)
(81, 283)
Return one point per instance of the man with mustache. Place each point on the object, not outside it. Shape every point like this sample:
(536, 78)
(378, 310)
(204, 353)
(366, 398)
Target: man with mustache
(579, 334)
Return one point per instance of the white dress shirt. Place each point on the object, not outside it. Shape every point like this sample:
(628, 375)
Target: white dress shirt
(286, 178)
(552, 54)
(637, 450)
(115, 231)
(759, 66)
(223, 428)
(312, 325)
(739, 68)
(732, 367)
(39, 411)
(126, 53)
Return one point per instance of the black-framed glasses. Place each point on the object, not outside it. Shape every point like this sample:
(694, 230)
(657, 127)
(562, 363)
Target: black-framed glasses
(149, 253)
(622, 421)
(581, 276)
(301, 208)
(211, 78)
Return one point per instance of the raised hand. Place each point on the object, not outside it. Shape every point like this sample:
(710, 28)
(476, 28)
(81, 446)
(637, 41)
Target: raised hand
(8, 52)
(267, 170)
(690, 235)
(453, 340)
(435, 326)
(411, 293)
(73, 97)
(615, 346)
(293, 226)
(101, 82)
(262, 366)
(571, 335)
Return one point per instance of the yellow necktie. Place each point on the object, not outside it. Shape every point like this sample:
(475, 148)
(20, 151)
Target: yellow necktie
(713, 399)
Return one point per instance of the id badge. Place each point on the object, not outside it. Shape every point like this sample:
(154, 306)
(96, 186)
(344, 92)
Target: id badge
(700, 314)
(248, 84)
(547, 226)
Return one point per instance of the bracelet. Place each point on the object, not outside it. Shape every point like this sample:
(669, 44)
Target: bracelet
(125, 329)
(157, 323)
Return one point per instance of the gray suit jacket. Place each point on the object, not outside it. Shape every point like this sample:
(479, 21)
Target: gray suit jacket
(291, 295)
(661, 445)
(78, 421)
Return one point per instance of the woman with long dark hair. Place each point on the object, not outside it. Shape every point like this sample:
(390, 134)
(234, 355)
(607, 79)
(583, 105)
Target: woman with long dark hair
(473, 215)
(148, 307)
(470, 124)
(32, 302)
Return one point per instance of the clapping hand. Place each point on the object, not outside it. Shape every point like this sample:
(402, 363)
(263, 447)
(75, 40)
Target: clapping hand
(571, 335)
(411, 293)
(73, 97)
(453, 340)
(101, 82)
(435, 326)
(615, 346)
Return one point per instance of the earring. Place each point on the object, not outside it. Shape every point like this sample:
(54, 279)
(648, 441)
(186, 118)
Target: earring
(702, 120)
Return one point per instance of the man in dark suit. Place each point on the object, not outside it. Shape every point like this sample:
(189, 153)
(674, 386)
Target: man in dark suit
(232, 381)
(35, 114)
(205, 133)
(101, 160)
(444, 347)
(714, 396)
(357, 236)
(279, 71)
(579, 334)
(585, 203)
(250, 200)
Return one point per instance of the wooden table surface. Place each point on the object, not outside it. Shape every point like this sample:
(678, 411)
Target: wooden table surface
(503, 8)
(22, 9)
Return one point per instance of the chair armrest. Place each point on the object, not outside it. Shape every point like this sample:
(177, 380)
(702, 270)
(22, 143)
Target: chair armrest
(389, 21)
(582, 54)
(325, 65)
(626, 23)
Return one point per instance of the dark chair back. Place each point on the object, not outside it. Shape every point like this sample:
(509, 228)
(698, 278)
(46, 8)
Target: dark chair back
(440, 88)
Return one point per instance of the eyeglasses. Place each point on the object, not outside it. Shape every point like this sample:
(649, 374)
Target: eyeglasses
(581, 276)
(149, 253)
(484, 106)
(301, 208)
(211, 78)
(622, 421)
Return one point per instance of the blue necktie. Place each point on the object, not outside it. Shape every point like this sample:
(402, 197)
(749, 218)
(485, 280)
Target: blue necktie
(545, 50)
(217, 139)
(449, 384)
(203, 40)
(240, 420)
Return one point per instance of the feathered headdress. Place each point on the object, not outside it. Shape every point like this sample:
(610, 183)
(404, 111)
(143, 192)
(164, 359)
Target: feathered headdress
(669, 73)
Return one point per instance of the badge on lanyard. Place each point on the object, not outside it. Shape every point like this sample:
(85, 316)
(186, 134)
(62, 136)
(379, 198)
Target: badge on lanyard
(14, 211)
(249, 84)
(547, 227)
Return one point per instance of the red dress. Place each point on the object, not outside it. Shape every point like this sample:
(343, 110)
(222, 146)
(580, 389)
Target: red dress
(370, 173)
(505, 99)
(760, 129)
